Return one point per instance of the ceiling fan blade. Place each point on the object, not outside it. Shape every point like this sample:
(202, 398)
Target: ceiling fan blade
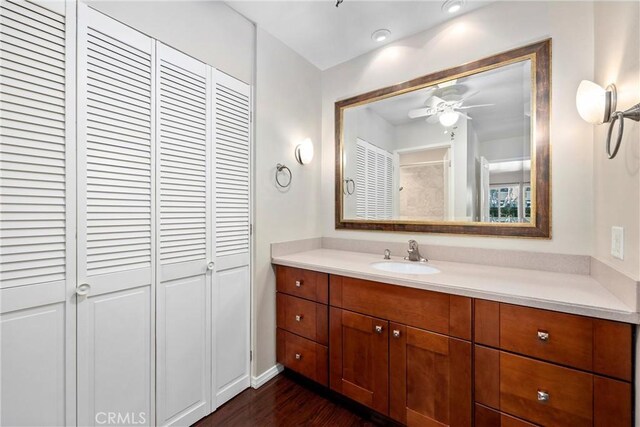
(473, 106)
(464, 115)
(420, 112)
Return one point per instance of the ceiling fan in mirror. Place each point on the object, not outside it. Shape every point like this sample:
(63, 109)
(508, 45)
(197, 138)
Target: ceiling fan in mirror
(445, 104)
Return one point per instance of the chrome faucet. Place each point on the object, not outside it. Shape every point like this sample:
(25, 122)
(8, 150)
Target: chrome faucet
(414, 253)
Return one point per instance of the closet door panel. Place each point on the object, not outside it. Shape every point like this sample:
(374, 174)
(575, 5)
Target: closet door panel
(116, 224)
(232, 285)
(185, 240)
(37, 213)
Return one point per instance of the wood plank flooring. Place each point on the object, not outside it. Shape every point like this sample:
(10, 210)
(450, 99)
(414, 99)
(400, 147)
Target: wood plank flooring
(288, 401)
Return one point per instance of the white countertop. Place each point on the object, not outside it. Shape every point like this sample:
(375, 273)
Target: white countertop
(569, 293)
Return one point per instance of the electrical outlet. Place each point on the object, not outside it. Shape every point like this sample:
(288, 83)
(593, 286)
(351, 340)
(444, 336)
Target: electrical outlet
(617, 242)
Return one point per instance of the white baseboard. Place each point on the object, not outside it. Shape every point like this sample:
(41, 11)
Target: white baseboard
(260, 380)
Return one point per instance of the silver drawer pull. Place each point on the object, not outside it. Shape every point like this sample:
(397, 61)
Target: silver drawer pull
(543, 396)
(298, 356)
(378, 329)
(299, 317)
(396, 333)
(543, 335)
(298, 283)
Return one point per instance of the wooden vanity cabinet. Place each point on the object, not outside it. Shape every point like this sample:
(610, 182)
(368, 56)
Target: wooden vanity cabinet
(427, 358)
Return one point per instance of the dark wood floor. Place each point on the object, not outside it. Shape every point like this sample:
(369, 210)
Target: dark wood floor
(287, 401)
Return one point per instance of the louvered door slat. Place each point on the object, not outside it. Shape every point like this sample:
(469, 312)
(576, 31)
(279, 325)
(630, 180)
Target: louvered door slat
(27, 155)
(232, 107)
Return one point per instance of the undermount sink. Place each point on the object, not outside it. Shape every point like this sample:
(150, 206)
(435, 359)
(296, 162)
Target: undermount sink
(408, 267)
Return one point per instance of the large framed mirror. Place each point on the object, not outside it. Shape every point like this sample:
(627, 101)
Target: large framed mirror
(461, 151)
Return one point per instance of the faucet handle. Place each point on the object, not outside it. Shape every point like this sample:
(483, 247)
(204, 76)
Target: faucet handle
(387, 254)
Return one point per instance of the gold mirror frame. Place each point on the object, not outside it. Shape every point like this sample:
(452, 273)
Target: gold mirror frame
(540, 55)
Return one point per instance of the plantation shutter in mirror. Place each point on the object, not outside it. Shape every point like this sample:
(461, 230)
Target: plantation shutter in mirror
(37, 213)
(185, 222)
(231, 294)
(116, 218)
(374, 181)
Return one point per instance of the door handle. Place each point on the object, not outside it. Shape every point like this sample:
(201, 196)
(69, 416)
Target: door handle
(210, 266)
(83, 289)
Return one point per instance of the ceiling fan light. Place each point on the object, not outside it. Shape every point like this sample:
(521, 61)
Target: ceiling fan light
(448, 118)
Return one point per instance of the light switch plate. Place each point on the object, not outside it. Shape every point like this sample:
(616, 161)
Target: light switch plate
(617, 242)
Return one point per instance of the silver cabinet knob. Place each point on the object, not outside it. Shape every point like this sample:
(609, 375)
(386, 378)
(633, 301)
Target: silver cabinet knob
(298, 356)
(210, 266)
(378, 329)
(299, 317)
(396, 333)
(543, 396)
(298, 283)
(543, 335)
(83, 289)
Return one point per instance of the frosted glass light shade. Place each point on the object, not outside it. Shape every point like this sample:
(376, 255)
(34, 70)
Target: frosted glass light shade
(304, 152)
(448, 118)
(593, 102)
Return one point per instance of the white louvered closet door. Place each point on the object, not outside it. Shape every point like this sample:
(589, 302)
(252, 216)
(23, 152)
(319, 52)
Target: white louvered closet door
(231, 291)
(37, 213)
(116, 224)
(184, 195)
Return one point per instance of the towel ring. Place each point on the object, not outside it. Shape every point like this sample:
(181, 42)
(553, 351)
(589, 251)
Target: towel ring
(280, 168)
(349, 190)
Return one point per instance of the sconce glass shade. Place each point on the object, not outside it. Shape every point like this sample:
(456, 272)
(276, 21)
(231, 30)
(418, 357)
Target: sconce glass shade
(448, 118)
(594, 103)
(304, 152)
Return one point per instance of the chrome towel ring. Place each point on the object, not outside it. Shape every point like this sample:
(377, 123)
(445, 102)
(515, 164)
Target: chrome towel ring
(279, 168)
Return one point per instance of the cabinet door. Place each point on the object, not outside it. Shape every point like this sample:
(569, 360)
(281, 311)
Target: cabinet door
(37, 213)
(359, 348)
(116, 224)
(184, 220)
(430, 377)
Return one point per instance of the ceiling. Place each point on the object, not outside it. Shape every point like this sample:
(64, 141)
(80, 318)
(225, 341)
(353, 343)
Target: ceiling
(327, 36)
(508, 88)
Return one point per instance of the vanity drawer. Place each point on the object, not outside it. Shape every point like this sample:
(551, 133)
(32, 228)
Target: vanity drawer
(302, 317)
(548, 394)
(585, 343)
(306, 284)
(433, 311)
(303, 356)
(487, 417)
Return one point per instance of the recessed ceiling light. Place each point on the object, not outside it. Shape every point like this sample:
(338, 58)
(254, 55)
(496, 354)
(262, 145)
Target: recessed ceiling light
(380, 35)
(452, 6)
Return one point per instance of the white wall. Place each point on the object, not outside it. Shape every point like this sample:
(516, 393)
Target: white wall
(617, 181)
(288, 109)
(490, 30)
(207, 30)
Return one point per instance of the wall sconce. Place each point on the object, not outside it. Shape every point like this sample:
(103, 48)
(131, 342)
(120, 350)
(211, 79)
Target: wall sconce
(304, 152)
(597, 106)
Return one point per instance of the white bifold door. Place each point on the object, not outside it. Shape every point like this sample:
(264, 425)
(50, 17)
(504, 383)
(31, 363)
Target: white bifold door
(116, 222)
(231, 291)
(185, 223)
(37, 213)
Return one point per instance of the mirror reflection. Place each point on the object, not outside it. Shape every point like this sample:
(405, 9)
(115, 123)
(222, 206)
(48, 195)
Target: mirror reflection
(459, 150)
